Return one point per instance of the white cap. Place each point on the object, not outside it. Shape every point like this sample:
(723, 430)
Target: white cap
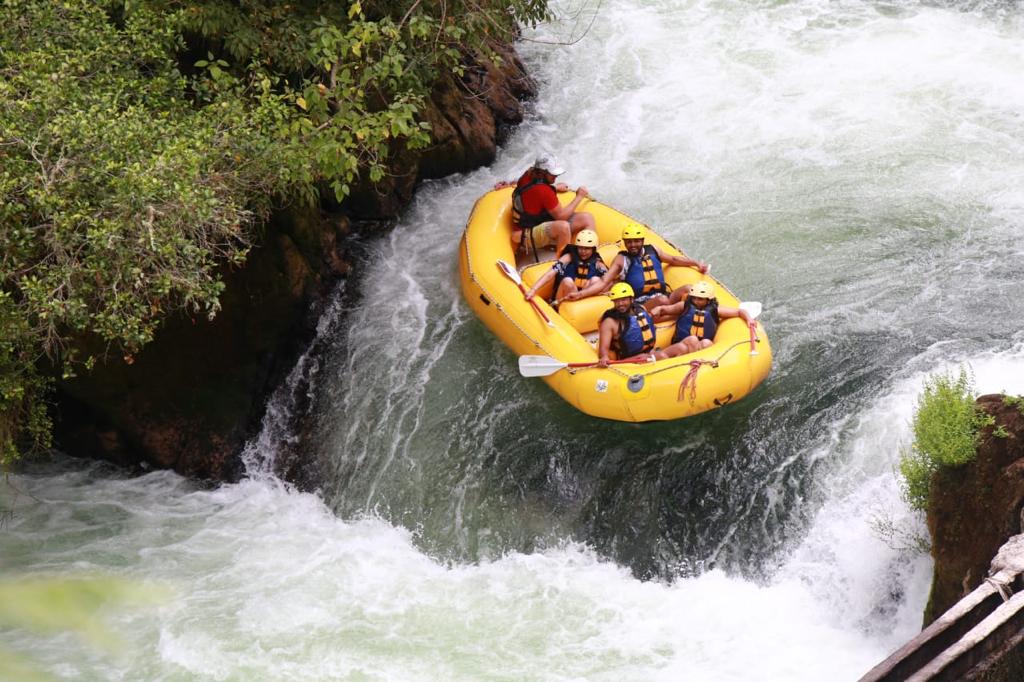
(549, 163)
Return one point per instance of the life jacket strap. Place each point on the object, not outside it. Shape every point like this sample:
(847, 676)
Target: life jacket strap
(646, 331)
(518, 209)
(697, 325)
(582, 271)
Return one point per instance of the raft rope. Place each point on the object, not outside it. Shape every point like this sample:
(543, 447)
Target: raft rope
(1002, 586)
(522, 330)
(689, 381)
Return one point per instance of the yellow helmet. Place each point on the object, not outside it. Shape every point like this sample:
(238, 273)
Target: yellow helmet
(586, 238)
(620, 290)
(633, 231)
(702, 289)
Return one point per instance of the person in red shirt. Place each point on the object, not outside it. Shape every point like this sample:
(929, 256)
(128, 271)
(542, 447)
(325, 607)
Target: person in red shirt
(539, 220)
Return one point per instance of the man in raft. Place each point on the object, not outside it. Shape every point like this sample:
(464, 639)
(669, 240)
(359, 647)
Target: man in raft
(577, 272)
(626, 328)
(538, 218)
(699, 317)
(640, 266)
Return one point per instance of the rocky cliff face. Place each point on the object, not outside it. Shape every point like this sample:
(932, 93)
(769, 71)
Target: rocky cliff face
(977, 507)
(191, 399)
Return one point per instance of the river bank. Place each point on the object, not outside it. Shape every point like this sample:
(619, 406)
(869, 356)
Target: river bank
(975, 508)
(192, 398)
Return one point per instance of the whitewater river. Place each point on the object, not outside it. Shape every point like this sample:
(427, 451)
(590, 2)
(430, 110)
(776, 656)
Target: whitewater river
(857, 167)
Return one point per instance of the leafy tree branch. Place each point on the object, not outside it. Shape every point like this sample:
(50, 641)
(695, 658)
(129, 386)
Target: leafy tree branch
(141, 142)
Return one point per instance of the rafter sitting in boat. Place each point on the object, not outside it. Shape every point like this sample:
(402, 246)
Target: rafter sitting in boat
(640, 266)
(578, 272)
(539, 220)
(626, 328)
(699, 317)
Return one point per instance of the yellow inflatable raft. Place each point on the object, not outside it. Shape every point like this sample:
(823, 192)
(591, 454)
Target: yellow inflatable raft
(636, 392)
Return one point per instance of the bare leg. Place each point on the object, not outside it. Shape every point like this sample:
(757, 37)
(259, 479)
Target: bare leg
(565, 287)
(581, 221)
(673, 351)
(691, 344)
(559, 231)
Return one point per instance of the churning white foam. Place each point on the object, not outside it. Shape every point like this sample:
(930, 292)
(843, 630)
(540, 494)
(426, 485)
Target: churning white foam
(269, 583)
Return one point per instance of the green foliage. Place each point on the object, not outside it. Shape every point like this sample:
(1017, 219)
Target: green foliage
(23, 413)
(119, 196)
(916, 470)
(946, 427)
(132, 171)
(1016, 401)
(1000, 432)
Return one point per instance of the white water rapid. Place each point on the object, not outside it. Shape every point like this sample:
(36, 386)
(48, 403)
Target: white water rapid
(856, 166)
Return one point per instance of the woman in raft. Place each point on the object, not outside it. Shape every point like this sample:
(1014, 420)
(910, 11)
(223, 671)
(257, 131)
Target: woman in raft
(578, 271)
(699, 317)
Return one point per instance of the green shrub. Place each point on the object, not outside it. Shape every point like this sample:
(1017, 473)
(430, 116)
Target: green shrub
(132, 172)
(947, 422)
(1016, 401)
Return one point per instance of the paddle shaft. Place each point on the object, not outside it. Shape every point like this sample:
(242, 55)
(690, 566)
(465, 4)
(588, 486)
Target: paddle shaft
(536, 307)
(753, 310)
(625, 361)
(542, 365)
(511, 273)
